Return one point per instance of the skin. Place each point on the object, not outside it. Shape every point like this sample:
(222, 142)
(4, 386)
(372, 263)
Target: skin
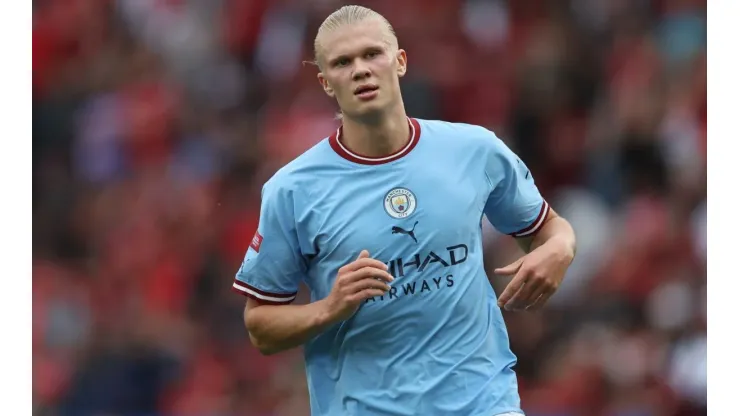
(539, 273)
(275, 328)
(366, 53)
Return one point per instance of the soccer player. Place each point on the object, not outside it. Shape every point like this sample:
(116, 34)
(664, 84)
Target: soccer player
(382, 221)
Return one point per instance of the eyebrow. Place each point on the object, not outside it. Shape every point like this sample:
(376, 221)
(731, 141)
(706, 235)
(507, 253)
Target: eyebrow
(374, 48)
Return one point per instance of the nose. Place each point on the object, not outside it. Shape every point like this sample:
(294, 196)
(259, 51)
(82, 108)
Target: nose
(361, 71)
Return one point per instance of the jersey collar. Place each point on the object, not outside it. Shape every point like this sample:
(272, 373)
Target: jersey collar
(336, 143)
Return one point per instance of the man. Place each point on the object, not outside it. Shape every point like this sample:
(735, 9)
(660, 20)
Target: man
(382, 221)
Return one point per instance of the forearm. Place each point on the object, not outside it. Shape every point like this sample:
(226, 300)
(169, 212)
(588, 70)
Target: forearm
(556, 230)
(276, 328)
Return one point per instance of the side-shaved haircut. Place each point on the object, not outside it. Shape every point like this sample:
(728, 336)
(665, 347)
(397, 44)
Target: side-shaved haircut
(348, 15)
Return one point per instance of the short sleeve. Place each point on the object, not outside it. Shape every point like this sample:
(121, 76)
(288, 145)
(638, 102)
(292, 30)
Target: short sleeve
(514, 205)
(273, 266)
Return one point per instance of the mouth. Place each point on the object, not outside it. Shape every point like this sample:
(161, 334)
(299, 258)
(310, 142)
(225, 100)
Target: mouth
(366, 91)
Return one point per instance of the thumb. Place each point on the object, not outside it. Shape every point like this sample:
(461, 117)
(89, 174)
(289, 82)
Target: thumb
(510, 269)
(364, 254)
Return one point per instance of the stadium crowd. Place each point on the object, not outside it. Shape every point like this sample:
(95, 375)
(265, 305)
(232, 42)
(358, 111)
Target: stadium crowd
(155, 123)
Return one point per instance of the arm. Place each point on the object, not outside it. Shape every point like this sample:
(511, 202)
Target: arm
(516, 207)
(269, 277)
(278, 327)
(539, 273)
(556, 230)
(275, 328)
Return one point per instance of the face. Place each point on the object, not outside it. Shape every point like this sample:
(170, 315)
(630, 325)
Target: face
(361, 69)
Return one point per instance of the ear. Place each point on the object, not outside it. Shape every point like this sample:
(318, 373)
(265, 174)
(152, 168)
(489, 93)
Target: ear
(402, 63)
(325, 85)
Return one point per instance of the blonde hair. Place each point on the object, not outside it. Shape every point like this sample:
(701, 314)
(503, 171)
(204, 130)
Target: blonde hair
(348, 15)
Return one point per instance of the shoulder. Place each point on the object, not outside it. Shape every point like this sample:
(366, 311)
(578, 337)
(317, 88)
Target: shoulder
(462, 134)
(299, 172)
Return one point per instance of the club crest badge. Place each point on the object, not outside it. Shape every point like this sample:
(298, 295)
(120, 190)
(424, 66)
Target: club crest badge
(399, 203)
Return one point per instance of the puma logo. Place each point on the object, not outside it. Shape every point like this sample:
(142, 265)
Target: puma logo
(410, 233)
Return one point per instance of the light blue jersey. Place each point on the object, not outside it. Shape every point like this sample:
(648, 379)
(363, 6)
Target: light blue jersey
(436, 344)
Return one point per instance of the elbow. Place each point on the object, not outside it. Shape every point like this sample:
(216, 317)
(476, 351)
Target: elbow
(265, 348)
(267, 351)
(263, 345)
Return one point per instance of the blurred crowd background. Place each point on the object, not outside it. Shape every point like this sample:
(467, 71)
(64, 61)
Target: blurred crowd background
(156, 122)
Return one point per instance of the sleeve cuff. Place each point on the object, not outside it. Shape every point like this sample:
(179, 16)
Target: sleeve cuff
(262, 296)
(536, 225)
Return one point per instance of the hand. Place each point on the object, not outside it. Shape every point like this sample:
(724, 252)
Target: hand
(362, 279)
(537, 276)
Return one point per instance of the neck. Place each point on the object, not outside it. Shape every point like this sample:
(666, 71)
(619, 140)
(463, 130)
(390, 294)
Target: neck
(377, 138)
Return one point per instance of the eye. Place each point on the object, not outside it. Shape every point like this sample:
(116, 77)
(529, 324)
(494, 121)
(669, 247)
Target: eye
(372, 54)
(341, 62)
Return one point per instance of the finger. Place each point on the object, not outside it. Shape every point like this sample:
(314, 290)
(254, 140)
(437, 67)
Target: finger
(511, 303)
(369, 272)
(513, 268)
(366, 294)
(363, 262)
(365, 284)
(542, 299)
(520, 304)
(526, 295)
(513, 286)
(363, 254)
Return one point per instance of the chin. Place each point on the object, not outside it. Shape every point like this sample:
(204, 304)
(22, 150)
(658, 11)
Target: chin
(369, 114)
(370, 109)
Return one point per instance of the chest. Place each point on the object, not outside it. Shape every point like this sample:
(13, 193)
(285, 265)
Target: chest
(394, 214)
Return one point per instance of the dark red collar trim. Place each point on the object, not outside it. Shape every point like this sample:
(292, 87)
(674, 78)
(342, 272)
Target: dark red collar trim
(336, 144)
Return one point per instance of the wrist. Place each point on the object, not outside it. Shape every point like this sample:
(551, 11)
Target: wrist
(565, 247)
(324, 313)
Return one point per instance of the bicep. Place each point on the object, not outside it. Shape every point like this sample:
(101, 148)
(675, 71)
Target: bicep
(252, 320)
(249, 308)
(251, 305)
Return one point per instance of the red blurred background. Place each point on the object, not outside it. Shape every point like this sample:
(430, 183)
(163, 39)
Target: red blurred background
(155, 123)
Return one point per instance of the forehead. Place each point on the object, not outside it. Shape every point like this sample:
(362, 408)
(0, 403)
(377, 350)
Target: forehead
(353, 38)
